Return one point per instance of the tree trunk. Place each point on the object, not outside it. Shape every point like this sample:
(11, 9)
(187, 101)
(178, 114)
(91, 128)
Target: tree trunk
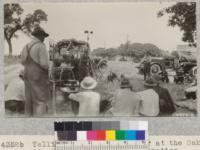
(10, 47)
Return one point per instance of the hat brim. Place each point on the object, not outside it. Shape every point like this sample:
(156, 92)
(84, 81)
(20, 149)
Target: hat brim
(150, 85)
(89, 87)
(42, 34)
(125, 86)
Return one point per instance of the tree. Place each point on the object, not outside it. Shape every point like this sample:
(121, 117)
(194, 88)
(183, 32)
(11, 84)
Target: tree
(13, 22)
(183, 15)
(175, 54)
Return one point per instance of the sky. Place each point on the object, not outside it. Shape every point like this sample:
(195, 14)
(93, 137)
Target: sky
(111, 23)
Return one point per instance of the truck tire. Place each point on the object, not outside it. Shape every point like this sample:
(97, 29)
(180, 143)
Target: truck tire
(155, 69)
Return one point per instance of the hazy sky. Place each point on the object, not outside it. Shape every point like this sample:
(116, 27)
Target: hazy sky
(110, 22)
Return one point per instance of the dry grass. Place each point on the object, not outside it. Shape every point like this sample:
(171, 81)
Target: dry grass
(106, 89)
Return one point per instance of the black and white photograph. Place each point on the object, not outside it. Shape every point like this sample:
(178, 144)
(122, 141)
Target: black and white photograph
(122, 59)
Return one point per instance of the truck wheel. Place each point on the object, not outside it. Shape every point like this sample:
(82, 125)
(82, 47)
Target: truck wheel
(155, 69)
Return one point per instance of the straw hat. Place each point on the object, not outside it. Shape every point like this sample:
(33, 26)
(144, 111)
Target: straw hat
(88, 83)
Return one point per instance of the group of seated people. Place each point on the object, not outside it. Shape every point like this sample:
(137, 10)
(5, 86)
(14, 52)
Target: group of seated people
(153, 101)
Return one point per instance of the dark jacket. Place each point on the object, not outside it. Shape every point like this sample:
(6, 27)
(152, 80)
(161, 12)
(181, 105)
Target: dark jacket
(165, 100)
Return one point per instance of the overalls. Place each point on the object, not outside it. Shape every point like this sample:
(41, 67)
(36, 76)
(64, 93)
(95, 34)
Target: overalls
(36, 86)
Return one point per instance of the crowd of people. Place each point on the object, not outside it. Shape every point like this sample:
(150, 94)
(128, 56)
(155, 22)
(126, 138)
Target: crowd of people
(34, 98)
(153, 101)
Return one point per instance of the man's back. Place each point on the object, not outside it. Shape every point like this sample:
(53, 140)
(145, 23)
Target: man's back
(89, 103)
(150, 103)
(125, 103)
(166, 102)
(38, 53)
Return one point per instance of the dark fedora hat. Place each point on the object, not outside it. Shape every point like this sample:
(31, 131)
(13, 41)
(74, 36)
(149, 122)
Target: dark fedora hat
(150, 83)
(125, 84)
(38, 31)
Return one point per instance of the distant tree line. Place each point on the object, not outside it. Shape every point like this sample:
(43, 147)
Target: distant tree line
(134, 50)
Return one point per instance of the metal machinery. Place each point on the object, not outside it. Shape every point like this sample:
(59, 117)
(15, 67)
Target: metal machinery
(70, 63)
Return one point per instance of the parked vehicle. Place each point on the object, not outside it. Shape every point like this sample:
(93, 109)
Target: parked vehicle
(158, 65)
(184, 67)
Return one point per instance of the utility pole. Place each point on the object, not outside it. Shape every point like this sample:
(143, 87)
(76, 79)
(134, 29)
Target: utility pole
(127, 41)
(88, 33)
(104, 43)
(127, 38)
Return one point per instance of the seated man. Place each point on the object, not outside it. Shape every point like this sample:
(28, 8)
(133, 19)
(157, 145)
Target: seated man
(15, 95)
(165, 101)
(89, 101)
(124, 80)
(149, 103)
(125, 102)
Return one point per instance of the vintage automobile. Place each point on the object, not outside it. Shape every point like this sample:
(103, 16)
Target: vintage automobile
(187, 68)
(158, 65)
(184, 66)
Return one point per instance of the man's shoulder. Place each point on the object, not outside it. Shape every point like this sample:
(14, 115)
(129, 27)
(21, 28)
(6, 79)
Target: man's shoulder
(129, 92)
(36, 43)
(95, 93)
(39, 44)
(162, 88)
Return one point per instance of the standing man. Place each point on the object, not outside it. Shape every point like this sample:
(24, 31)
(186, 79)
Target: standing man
(89, 100)
(35, 61)
(147, 65)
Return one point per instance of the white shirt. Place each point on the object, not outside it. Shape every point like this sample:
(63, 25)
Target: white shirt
(150, 103)
(15, 90)
(89, 103)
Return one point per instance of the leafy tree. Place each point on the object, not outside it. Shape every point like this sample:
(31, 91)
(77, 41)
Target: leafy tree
(13, 22)
(175, 54)
(134, 50)
(183, 15)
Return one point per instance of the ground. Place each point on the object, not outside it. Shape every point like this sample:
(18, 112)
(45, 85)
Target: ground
(106, 89)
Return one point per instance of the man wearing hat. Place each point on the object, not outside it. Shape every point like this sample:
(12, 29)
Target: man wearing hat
(89, 101)
(125, 101)
(147, 65)
(35, 61)
(124, 82)
(149, 100)
(165, 101)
